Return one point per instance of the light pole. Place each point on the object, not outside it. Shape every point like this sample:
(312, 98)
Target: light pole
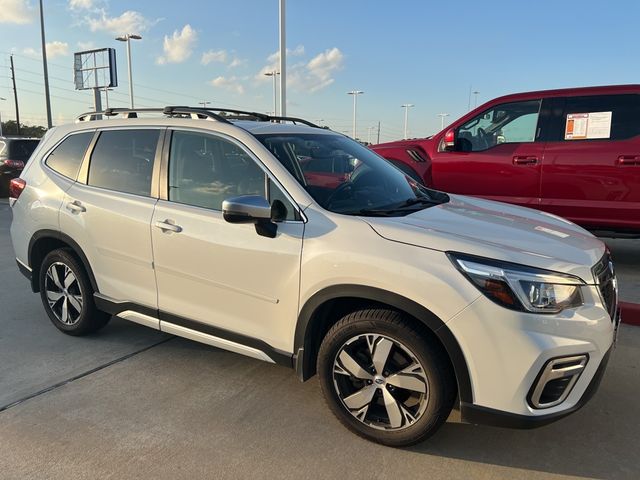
(274, 74)
(475, 93)
(406, 107)
(283, 60)
(355, 94)
(204, 103)
(442, 115)
(3, 99)
(127, 38)
(106, 95)
(47, 98)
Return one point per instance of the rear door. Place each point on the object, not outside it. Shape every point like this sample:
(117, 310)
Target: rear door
(108, 213)
(497, 156)
(591, 169)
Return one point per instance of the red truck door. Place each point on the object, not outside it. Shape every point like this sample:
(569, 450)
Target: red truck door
(496, 155)
(591, 167)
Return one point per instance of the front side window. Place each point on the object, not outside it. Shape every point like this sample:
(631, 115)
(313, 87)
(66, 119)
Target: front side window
(122, 160)
(67, 156)
(507, 123)
(205, 170)
(345, 177)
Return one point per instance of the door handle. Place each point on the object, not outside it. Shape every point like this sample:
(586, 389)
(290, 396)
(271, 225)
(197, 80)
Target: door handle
(76, 207)
(629, 160)
(525, 160)
(169, 226)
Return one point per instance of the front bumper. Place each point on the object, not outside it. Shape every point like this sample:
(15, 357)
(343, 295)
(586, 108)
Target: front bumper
(505, 351)
(487, 416)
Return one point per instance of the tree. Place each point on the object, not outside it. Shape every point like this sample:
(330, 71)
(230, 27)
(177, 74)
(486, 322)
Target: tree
(10, 128)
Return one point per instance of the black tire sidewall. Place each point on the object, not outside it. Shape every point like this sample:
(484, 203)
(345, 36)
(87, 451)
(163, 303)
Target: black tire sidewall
(438, 378)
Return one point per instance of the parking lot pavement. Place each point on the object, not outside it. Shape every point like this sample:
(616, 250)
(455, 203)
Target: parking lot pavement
(158, 407)
(33, 354)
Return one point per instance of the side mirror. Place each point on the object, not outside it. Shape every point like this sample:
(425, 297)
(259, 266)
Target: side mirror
(251, 209)
(449, 141)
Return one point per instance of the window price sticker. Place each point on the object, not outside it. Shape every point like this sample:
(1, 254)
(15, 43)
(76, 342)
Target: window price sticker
(585, 126)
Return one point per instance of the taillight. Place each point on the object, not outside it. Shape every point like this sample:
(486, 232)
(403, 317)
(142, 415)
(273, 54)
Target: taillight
(16, 186)
(14, 163)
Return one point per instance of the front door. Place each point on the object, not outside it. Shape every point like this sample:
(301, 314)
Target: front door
(215, 277)
(496, 156)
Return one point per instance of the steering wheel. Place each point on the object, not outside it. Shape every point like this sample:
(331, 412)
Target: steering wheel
(344, 186)
(482, 137)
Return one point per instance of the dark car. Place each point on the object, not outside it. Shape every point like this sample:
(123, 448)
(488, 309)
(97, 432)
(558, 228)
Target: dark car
(14, 154)
(573, 153)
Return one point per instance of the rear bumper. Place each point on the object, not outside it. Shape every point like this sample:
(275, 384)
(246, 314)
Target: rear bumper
(487, 416)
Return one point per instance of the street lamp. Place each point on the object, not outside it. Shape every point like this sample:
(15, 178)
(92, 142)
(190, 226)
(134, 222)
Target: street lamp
(127, 38)
(355, 94)
(442, 115)
(3, 99)
(274, 74)
(204, 103)
(406, 107)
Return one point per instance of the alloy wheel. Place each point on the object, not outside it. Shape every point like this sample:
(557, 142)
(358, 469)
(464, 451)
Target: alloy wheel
(380, 382)
(64, 294)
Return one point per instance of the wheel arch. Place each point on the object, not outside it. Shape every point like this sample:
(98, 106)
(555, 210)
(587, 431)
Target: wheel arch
(327, 306)
(44, 241)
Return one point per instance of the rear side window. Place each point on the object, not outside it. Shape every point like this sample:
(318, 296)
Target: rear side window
(122, 160)
(601, 117)
(67, 157)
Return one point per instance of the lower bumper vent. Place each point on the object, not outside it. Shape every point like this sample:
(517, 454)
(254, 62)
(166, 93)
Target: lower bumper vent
(556, 380)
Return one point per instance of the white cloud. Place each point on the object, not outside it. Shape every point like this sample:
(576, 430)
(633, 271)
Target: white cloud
(81, 4)
(31, 52)
(86, 45)
(16, 11)
(57, 49)
(306, 77)
(179, 46)
(213, 56)
(129, 22)
(231, 84)
(237, 62)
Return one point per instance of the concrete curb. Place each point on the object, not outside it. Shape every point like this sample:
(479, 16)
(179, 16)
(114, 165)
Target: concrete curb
(630, 313)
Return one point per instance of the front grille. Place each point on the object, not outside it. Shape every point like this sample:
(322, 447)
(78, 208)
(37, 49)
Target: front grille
(605, 277)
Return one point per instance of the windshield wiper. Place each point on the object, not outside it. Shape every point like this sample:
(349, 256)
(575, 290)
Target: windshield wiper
(401, 208)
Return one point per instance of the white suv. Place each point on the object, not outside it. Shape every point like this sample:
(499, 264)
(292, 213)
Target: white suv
(295, 245)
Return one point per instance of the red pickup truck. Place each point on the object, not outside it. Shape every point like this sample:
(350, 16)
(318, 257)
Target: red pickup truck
(572, 152)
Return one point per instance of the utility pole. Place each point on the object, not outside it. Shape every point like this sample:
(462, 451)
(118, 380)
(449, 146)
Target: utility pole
(406, 107)
(378, 131)
(47, 98)
(369, 129)
(469, 102)
(283, 61)
(15, 95)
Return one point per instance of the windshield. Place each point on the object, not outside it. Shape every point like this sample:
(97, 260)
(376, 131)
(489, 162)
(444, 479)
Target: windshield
(21, 149)
(345, 177)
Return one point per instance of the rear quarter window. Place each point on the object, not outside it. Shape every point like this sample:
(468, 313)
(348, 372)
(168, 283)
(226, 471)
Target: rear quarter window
(67, 157)
(624, 108)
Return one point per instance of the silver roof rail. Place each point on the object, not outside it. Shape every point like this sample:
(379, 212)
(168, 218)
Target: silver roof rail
(171, 111)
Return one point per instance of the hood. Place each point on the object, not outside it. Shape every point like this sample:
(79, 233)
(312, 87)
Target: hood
(499, 231)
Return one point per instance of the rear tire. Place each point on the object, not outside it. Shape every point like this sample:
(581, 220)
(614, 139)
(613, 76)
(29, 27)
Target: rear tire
(67, 295)
(384, 379)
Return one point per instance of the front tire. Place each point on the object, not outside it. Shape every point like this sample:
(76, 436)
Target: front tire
(67, 295)
(384, 379)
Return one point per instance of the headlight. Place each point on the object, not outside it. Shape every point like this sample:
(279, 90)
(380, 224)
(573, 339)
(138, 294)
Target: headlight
(519, 287)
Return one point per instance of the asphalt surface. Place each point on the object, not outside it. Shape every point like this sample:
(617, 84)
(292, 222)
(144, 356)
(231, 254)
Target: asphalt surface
(130, 402)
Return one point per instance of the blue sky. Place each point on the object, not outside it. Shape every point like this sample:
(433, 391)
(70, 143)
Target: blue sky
(419, 52)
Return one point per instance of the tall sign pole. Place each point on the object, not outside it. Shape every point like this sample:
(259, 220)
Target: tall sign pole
(283, 62)
(47, 98)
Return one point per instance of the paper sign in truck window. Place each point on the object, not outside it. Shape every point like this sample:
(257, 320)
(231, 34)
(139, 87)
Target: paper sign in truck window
(585, 126)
